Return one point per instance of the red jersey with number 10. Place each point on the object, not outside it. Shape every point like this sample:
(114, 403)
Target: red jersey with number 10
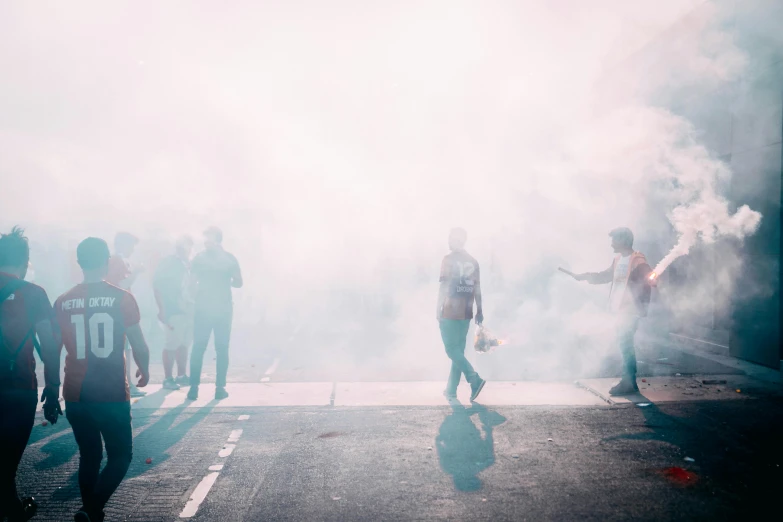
(93, 318)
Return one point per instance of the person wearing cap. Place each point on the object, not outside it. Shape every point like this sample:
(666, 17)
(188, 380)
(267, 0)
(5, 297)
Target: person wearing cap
(629, 298)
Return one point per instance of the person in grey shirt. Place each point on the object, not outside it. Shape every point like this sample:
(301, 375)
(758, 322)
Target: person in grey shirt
(215, 272)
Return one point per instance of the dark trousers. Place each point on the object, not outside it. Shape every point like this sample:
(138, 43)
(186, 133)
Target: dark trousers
(205, 322)
(17, 415)
(455, 334)
(91, 421)
(626, 331)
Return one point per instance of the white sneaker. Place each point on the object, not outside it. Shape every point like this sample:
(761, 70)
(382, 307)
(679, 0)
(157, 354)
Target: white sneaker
(169, 384)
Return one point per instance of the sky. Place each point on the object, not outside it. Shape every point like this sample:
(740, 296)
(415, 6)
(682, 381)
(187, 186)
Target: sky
(336, 143)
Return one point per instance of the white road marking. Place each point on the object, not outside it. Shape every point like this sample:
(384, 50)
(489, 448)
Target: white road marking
(272, 368)
(234, 437)
(199, 494)
(226, 451)
(244, 417)
(216, 467)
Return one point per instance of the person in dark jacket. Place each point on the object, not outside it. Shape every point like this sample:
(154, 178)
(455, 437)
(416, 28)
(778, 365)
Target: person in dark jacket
(629, 298)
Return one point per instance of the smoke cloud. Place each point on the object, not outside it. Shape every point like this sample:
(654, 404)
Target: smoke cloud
(337, 143)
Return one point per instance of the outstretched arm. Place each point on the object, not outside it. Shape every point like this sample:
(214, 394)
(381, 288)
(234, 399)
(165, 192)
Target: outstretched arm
(597, 278)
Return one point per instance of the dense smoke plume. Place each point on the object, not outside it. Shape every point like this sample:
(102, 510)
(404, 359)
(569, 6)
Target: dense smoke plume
(337, 143)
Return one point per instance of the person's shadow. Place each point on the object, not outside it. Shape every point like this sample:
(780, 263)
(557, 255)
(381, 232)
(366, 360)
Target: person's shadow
(464, 451)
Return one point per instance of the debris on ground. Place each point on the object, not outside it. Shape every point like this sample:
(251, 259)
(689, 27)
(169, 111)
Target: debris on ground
(680, 476)
(678, 375)
(148, 461)
(644, 380)
(330, 435)
(429, 448)
(45, 423)
(336, 498)
(713, 381)
(643, 404)
(739, 391)
(549, 440)
(688, 459)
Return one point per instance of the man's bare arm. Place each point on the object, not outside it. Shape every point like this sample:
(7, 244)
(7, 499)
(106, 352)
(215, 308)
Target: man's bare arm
(141, 353)
(50, 353)
(599, 278)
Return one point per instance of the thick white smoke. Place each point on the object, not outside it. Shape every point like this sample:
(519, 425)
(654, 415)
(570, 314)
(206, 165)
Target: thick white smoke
(336, 145)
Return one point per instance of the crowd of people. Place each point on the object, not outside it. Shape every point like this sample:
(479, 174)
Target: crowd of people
(97, 321)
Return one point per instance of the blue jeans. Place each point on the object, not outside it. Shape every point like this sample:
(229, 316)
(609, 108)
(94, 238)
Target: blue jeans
(626, 330)
(454, 333)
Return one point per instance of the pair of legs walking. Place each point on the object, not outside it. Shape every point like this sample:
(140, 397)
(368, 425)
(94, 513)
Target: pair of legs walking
(455, 334)
(17, 416)
(207, 322)
(96, 424)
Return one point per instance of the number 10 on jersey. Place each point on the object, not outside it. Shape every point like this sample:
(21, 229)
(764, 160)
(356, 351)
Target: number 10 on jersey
(100, 323)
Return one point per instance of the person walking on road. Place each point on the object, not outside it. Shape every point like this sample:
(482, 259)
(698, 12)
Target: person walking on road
(629, 298)
(460, 286)
(25, 312)
(214, 272)
(95, 319)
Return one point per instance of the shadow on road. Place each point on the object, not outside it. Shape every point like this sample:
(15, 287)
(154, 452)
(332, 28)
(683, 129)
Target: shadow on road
(464, 450)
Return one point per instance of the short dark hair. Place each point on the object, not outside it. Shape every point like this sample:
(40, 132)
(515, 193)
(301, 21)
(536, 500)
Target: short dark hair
(92, 253)
(622, 234)
(125, 238)
(14, 248)
(215, 232)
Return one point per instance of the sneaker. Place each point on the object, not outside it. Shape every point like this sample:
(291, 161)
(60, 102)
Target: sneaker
(626, 386)
(193, 394)
(170, 384)
(220, 393)
(183, 380)
(135, 392)
(476, 388)
(81, 516)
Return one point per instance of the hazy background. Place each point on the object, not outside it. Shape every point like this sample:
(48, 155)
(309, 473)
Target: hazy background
(336, 143)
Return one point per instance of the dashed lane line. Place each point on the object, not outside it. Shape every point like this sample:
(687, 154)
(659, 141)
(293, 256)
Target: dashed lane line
(203, 487)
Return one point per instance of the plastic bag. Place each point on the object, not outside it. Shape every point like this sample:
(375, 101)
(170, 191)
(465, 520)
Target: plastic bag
(485, 342)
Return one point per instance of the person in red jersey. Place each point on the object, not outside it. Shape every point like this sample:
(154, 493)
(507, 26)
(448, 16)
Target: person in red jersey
(95, 318)
(123, 274)
(24, 312)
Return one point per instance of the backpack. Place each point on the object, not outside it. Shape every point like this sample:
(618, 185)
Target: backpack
(8, 359)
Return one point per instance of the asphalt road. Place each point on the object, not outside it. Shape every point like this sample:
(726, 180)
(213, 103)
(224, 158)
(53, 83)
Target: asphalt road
(444, 462)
